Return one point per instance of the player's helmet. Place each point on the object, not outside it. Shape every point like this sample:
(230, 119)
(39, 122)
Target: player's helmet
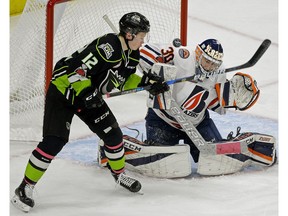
(133, 22)
(209, 55)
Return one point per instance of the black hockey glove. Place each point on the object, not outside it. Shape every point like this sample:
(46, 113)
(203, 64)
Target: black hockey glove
(92, 98)
(158, 85)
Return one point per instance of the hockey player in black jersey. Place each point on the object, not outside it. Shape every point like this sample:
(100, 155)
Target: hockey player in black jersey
(76, 88)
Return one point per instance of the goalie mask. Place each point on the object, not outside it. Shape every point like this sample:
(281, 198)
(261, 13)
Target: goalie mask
(209, 56)
(133, 23)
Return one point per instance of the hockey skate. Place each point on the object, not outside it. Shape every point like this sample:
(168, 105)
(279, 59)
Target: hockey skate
(23, 197)
(127, 182)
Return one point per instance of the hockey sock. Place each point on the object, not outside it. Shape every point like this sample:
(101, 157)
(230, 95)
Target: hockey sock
(37, 165)
(116, 158)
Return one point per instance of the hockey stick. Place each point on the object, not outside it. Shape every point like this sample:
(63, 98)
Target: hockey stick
(108, 21)
(189, 128)
(215, 151)
(255, 58)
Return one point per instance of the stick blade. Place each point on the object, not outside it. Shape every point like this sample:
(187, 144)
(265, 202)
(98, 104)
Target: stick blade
(255, 58)
(260, 51)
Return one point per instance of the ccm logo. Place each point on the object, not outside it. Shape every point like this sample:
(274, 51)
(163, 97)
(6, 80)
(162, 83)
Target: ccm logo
(132, 147)
(92, 96)
(102, 117)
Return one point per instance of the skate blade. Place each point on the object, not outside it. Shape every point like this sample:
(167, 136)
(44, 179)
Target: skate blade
(20, 205)
(140, 192)
(117, 186)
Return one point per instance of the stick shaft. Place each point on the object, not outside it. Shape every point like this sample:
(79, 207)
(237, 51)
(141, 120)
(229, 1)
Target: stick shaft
(112, 26)
(255, 58)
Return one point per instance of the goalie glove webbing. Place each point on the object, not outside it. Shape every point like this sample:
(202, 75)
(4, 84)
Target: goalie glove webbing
(241, 92)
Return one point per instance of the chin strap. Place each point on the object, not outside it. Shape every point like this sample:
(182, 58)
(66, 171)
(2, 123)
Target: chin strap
(126, 40)
(127, 44)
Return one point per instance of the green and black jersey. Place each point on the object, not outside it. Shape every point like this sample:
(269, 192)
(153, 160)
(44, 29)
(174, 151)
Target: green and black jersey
(102, 64)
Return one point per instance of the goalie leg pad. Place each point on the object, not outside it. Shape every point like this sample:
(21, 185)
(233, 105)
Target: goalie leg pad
(263, 150)
(232, 156)
(218, 165)
(155, 161)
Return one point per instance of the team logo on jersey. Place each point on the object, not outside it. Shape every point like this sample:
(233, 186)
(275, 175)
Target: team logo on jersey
(184, 53)
(195, 103)
(116, 77)
(108, 49)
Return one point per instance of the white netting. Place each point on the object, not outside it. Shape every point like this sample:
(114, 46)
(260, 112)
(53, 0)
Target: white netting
(76, 23)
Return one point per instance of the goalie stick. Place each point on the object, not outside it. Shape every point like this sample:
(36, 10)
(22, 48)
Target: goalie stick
(258, 147)
(254, 59)
(189, 128)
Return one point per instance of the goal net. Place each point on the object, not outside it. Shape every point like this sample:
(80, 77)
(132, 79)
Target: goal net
(49, 30)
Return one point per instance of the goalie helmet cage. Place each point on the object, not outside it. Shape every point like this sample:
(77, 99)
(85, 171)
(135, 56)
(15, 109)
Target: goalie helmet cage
(48, 30)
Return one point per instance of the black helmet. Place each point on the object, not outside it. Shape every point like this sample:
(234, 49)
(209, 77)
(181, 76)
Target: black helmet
(133, 22)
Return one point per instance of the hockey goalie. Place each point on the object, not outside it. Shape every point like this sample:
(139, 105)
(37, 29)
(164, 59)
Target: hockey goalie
(178, 125)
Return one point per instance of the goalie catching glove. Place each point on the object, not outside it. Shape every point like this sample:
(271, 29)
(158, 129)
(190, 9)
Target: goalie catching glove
(158, 85)
(241, 92)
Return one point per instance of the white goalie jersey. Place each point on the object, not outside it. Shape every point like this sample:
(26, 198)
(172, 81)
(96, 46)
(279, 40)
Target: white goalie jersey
(212, 92)
(193, 98)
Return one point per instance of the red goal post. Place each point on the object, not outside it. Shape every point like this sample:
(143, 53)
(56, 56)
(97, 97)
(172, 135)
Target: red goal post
(48, 30)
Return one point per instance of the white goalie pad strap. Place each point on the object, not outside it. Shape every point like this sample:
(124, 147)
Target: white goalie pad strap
(162, 101)
(155, 161)
(232, 156)
(241, 92)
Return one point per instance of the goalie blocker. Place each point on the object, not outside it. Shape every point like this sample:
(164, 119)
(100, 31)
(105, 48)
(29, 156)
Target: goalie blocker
(175, 161)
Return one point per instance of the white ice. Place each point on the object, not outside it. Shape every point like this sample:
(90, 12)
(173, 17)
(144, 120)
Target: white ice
(75, 185)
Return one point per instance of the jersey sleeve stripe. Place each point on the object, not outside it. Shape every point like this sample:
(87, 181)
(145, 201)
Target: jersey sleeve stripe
(151, 49)
(146, 60)
(148, 55)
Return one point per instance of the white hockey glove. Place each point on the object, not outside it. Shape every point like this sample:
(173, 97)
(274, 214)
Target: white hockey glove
(241, 92)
